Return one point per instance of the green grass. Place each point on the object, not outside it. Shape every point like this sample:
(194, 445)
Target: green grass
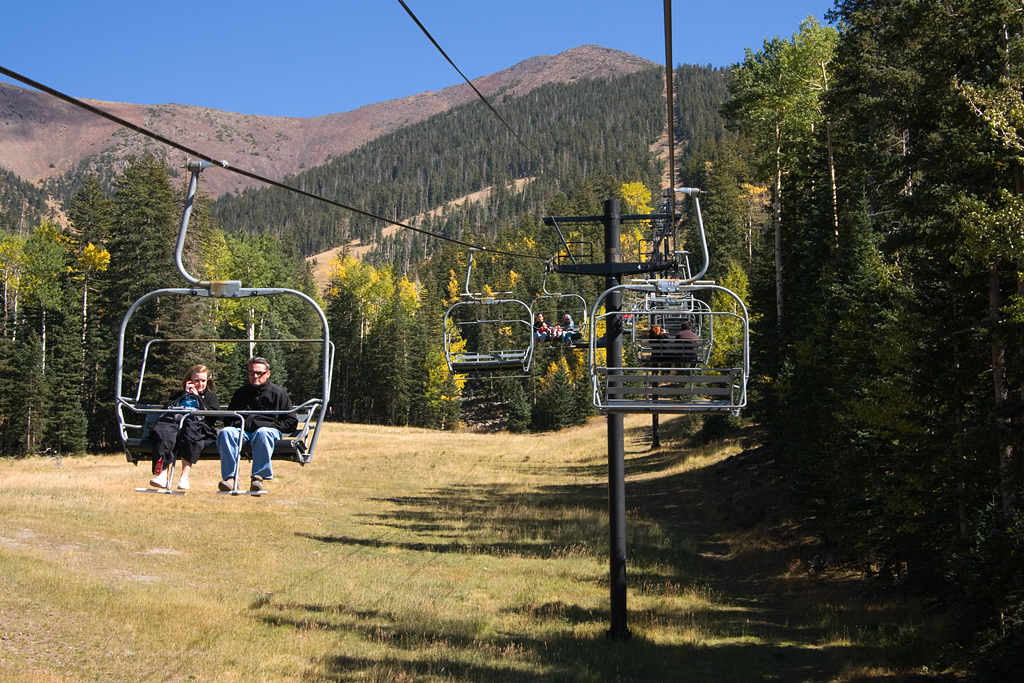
(411, 555)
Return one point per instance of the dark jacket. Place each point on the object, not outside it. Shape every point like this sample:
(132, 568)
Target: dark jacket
(183, 435)
(207, 400)
(269, 396)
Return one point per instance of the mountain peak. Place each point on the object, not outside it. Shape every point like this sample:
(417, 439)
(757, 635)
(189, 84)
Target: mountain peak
(44, 136)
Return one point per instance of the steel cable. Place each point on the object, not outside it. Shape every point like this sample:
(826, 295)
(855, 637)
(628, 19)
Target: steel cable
(248, 174)
(470, 83)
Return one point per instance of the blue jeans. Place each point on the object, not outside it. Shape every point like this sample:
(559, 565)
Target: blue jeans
(229, 447)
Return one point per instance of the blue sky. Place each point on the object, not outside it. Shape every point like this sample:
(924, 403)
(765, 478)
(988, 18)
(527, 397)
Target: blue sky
(309, 57)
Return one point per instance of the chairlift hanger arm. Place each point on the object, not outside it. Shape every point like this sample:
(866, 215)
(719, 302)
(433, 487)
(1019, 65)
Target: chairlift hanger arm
(564, 243)
(695, 194)
(615, 268)
(550, 221)
(469, 269)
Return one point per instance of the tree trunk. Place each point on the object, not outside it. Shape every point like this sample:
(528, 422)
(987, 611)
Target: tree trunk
(1002, 394)
(832, 176)
(1018, 177)
(43, 340)
(831, 160)
(777, 217)
(958, 453)
(85, 318)
(252, 332)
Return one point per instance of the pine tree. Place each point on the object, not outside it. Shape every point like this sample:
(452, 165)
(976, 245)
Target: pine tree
(142, 260)
(29, 404)
(556, 403)
(520, 413)
(92, 215)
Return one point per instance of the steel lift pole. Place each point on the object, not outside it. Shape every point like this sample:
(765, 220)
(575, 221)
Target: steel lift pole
(616, 447)
(613, 269)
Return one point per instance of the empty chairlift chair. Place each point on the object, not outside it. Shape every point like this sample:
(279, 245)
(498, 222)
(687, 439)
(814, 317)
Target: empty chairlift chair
(488, 334)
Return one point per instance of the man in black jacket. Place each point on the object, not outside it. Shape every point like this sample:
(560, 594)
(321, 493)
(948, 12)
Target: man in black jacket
(261, 429)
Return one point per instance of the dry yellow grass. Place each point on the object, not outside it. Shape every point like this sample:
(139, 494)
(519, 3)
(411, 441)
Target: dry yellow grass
(399, 555)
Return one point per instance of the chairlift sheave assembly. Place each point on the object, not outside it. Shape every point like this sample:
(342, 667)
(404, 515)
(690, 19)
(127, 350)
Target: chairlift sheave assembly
(299, 445)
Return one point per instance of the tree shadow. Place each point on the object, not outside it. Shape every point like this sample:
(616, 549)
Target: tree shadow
(447, 651)
(769, 614)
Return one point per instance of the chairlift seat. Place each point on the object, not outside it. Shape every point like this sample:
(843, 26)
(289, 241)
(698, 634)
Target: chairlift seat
(663, 351)
(291, 446)
(484, 361)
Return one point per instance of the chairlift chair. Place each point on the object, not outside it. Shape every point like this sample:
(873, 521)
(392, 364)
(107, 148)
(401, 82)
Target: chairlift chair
(488, 334)
(669, 376)
(135, 416)
(560, 304)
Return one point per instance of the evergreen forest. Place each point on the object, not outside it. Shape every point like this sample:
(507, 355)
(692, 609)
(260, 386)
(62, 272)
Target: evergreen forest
(863, 194)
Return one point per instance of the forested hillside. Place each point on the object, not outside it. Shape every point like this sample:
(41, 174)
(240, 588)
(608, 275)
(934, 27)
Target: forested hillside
(888, 341)
(45, 140)
(22, 204)
(573, 131)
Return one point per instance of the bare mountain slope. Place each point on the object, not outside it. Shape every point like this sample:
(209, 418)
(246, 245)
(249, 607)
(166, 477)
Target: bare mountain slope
(41, 136)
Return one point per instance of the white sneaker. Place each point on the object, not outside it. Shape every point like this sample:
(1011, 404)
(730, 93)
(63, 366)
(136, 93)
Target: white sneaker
(159, 481)
(183, 483)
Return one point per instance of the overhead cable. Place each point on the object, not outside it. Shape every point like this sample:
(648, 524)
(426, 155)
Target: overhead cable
(248, 174)
(670, 100)
(479, 94)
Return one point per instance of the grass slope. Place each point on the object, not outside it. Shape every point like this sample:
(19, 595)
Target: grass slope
(410, 555)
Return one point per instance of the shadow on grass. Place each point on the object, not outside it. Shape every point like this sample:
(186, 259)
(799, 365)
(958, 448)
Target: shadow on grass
(563, 660)
(453, 651)
(768, 621)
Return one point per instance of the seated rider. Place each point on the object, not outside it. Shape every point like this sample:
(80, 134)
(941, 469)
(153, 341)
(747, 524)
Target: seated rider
(541, 331)
(180, 435)
(569, 333)
(261, 429)
(691, 342)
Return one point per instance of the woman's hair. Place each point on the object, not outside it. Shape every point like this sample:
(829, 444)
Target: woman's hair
(193, 370)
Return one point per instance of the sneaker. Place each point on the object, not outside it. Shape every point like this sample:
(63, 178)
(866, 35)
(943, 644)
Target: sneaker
(183, 483)
(257, 484)
(227, 485)
(159, 481)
